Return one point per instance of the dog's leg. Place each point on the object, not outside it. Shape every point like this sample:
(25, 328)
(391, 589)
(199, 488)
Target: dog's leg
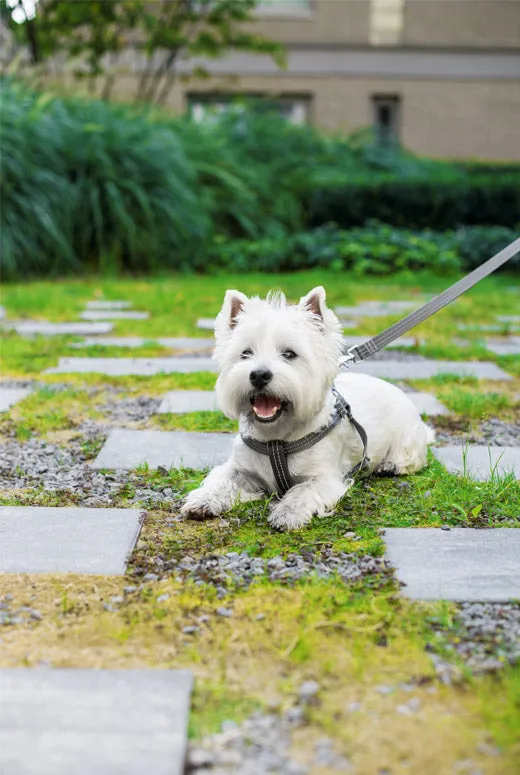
(301, 502)
(219, 491)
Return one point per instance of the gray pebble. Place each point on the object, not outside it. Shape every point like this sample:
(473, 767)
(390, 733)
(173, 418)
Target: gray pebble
(225, 612)
(308, 691)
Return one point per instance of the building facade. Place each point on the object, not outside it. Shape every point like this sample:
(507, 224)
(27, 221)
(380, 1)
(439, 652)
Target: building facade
(441, 76)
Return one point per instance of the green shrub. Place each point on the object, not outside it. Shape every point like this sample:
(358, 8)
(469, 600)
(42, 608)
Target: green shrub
(475, 244)
(87, 185)
(374, 249)
(445, 200)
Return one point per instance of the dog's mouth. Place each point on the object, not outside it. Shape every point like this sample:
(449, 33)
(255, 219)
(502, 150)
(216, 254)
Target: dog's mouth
(267, 408)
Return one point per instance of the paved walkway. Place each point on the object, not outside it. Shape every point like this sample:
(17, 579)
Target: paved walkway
(93, 722)
(135, 721)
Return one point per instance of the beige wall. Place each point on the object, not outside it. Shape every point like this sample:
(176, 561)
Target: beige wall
(454, 103)
(472, 23)
(333, 21)
(443, 119)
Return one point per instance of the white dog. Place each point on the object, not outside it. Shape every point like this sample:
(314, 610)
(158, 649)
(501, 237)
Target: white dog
(298, 436)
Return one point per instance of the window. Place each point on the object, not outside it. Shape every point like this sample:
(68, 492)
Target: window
(284, 7)
(205, 107)
(386, 118)
(386, 22)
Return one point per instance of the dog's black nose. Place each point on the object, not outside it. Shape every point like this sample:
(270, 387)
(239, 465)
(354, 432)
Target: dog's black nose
(260, 377)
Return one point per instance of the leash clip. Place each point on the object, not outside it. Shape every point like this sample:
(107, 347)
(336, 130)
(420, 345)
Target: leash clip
(350, 357)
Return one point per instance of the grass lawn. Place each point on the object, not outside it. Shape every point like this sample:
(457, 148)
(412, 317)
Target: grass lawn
(353, 638)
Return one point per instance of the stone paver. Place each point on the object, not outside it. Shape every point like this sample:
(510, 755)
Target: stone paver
(487, 327)
(403, 341)
(113, 314)
(509, 346)
(376, 309)
(10, 396)
(427, 404)
(424, 369)
(59, 721)
(509, 318)
(124, 450)
(479, 462)
(460, 564)
(117, 367)
(2, 313)
(62, 540)
(44, 328)
(176, 343)
(180, 401)
(208, 324)
(101, 304)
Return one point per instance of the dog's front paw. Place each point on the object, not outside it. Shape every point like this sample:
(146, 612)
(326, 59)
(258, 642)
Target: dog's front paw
(283, 517)
(199, 506)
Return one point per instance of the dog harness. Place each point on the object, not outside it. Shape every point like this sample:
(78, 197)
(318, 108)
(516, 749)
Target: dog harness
(278, 450)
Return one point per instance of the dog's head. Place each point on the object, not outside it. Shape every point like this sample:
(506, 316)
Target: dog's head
(277, 361)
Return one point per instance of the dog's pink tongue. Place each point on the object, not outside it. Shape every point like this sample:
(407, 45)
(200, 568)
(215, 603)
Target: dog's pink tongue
(266, 406)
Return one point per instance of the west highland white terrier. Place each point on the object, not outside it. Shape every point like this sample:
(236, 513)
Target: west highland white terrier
(304, 430)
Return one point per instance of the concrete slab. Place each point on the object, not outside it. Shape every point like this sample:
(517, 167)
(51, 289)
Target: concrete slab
(2, 313)
(377, 309)
(103, 304)
(479, 462)
(124, 450)
(191, 344)
(208, 324)
(425, 369)
(488, 327)
(113, 314)
(11, 396)
(509, 318)
(460, 564)
(60, 721)
(427, 404)
(509, 346)
(66, 540)
(44, 328)
(118, 367)
(180, 401)
(403, 341)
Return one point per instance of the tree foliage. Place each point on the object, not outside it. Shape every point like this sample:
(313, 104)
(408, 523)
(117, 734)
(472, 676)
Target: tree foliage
(93, 34)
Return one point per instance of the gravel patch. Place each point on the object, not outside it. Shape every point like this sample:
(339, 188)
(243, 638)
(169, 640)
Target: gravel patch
(12, 615)
(491, 432)
(123, 410)
(262, 745)
(234, 570)
(65, 470)
(486, 636)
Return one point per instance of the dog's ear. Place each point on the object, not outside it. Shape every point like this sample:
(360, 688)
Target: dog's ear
(315, 302)
(233, 305)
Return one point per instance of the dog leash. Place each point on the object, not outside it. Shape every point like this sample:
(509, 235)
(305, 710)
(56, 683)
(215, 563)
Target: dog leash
(369, 348)
(278, 450)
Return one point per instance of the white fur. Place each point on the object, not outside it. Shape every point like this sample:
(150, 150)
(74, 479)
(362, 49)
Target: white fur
(397, 437)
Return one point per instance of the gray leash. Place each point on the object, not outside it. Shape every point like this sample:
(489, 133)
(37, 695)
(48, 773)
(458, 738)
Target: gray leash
(372, 346)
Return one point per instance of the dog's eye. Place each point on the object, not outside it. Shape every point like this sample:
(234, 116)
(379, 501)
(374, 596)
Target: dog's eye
(289, 355)
(247, 353)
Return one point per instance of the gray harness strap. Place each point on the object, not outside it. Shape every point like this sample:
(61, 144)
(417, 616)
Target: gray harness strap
(278, 450)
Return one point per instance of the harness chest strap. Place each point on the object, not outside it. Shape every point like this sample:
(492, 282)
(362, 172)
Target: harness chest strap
(278, 450)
